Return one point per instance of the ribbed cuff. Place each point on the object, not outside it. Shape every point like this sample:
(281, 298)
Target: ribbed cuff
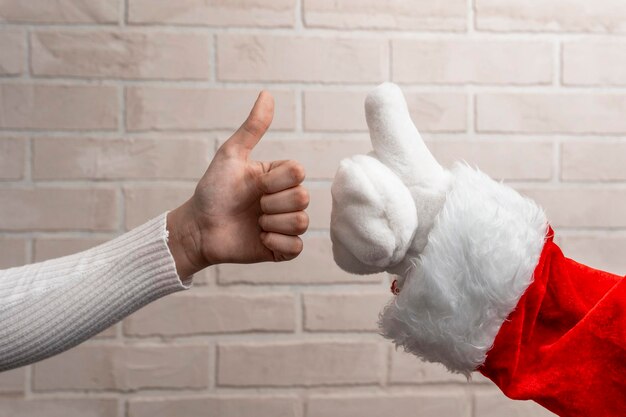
(49, 307)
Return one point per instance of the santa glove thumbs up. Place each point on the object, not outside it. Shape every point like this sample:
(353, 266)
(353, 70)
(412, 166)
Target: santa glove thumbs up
(384, 204)
(473, 245)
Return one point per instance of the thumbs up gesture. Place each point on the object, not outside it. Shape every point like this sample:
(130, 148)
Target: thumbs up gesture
(463, 246)
(242, 211)
(385, 203)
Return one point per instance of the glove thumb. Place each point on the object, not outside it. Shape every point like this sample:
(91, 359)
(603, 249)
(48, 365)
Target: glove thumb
(395, 139)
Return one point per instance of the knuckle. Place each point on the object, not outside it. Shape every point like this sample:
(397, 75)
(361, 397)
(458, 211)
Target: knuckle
(296, 171)
(263, 222)
(297, 247)
(301, 197)
(268, 240)
(254, 126)
(289, 250)
(264, 203)
(228, 150)
(301, 222)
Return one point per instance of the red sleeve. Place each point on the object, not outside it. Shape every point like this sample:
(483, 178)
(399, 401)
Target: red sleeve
(564, 346)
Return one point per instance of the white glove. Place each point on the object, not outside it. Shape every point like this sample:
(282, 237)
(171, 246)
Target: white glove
(463, 246)
(385, 203)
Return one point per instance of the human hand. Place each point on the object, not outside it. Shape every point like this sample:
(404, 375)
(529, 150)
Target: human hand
(385, 203)
(242, 211)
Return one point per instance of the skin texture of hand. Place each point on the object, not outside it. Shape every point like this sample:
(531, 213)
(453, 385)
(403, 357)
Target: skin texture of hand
(242, 211)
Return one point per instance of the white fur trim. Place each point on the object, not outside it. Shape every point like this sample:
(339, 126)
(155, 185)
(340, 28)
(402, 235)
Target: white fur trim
(478, 262)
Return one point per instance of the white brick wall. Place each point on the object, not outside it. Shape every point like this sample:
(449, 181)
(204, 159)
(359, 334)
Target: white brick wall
(110, 109)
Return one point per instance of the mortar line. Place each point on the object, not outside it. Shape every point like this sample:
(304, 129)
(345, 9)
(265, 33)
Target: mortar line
(471, 16)
(558, 64)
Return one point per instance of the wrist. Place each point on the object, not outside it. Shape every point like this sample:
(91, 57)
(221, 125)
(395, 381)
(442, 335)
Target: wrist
(184, 241)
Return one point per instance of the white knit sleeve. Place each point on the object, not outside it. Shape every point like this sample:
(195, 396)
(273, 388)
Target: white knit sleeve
(49, 307)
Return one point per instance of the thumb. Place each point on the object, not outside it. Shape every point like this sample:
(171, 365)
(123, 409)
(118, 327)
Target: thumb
(255, 126)
(395, 139)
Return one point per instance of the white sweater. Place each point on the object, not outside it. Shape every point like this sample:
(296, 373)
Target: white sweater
(51, 306)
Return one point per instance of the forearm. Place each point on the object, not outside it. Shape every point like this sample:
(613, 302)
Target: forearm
(51, 306)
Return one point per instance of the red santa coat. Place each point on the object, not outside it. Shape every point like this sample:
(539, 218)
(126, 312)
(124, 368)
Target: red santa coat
(564, 345)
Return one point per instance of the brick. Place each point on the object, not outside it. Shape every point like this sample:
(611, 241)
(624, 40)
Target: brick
(41, 107)
(575, 113)
(601, 251)
(13, 47)
(124, 368)
(343, 111)
(593, 161)
(52, 247)
(356, 311)
(189, 109)
(319, 206)
(264, 13)
(314, 265)
(408, 369)
(108, 333)
(555, 15)
(214, 406)
(142, 203)
(12, 382)
(59, 11)
(501, 159)
(451, 402)
(471, 61)
(111, 159)
(299, 363)
(75, 407)
(304, 59)
(12, 158)
(594, 63)
(479, 379)
(134, 55)
(334, 111)
(494, 404)
(205, 277)
(582, 207)
(54, 208)
(201, 313)
(13, 252)
(320, 157)
(438, 112)
(397, 14)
